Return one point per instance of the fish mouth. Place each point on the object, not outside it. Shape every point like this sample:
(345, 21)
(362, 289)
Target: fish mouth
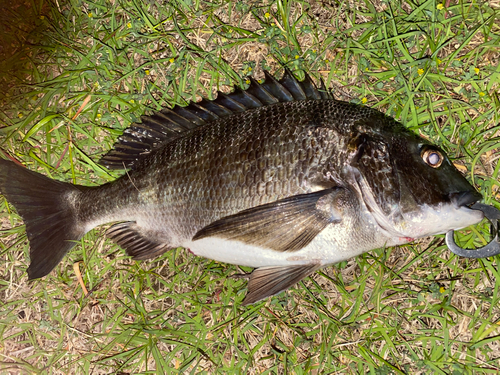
(493, 215)
(464, 198)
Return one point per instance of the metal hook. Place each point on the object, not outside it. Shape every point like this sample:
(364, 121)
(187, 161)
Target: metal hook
(490, 249)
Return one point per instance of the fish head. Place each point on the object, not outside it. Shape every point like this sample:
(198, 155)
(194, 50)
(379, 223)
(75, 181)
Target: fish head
(409, 186)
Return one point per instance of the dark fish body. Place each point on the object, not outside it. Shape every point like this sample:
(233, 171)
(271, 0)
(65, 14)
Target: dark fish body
(281, 177)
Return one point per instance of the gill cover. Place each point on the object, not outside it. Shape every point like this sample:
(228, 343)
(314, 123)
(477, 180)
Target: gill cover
(378, 176)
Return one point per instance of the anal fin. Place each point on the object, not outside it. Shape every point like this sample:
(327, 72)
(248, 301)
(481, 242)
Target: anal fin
(137, 241)
(268, 281)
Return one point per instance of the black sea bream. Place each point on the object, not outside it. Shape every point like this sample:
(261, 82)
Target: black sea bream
(280, 177)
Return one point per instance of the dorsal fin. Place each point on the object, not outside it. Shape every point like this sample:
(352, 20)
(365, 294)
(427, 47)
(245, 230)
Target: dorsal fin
(163, 127)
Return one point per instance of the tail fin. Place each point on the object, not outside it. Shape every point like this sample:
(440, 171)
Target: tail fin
(48, 210)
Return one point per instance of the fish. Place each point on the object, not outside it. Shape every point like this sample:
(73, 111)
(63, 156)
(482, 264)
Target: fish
(280, 176)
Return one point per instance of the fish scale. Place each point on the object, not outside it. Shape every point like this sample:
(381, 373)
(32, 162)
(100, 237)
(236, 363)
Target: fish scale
(280, 177)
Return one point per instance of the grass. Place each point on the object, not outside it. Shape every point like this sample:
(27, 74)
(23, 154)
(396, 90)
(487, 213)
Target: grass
(75, 73)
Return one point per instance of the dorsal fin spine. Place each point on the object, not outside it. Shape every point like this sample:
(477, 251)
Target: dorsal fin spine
(293, 85)
(189, 113)
(261, 93)
(276, 88)
(176, 115)
(204, 113)
(230, 103)
(171, 120)
(214, 107)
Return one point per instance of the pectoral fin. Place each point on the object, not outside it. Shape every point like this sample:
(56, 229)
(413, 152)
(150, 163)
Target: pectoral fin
(285, 225)
(268, 281)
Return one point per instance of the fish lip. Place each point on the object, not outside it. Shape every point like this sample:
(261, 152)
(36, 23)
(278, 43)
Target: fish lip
(464, 198)
(492, 248)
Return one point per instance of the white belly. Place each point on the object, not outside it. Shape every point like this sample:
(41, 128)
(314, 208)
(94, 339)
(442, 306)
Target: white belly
(324, 249)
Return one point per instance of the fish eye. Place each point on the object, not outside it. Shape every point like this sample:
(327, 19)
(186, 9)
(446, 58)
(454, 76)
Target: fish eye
(432, 157)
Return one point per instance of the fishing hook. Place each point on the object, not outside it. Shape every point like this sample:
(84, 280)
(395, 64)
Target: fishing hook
(490, 249)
